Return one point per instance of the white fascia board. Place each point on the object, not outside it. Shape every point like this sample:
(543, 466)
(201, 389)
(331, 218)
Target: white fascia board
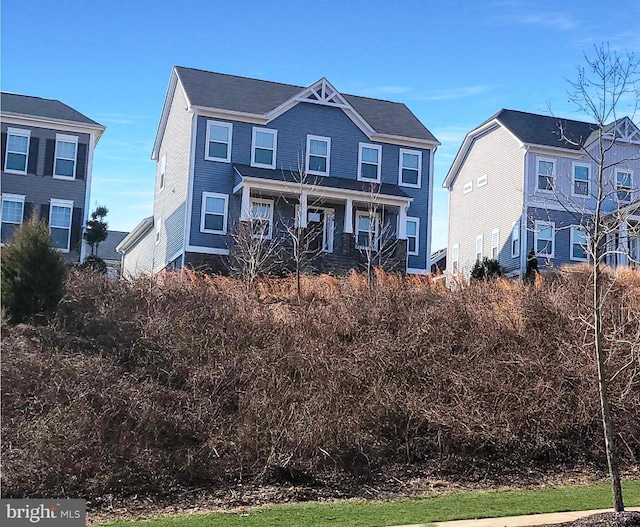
(206, 250)
(141, 229)
(411, 142)
(168, 98)
(553, 150)
(230, 115)
(48, 122)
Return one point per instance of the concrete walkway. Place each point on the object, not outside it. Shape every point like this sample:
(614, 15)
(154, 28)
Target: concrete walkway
(521, 521)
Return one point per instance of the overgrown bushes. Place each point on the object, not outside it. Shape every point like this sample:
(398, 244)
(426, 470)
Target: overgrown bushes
(135, 387)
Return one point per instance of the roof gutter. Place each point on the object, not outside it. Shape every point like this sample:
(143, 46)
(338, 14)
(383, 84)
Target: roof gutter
(137, 233)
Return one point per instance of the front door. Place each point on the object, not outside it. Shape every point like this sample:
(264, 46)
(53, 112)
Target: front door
(316, 230)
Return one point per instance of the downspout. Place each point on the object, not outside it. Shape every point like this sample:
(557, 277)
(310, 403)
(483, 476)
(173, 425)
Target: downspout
(430, 211)
(523, 216)
(87, 196)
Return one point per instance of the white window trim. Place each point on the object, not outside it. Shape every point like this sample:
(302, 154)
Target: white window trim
(497, 246)
(575, 228)
(206, 195)
(537, 230)
(308, 154)
(270, 202)
(158, 230)
(376, 234)
(631, 187)
(16, 198)
(373, 147)
(23, 133)
(516, 253)
(455, 262)
(67, 139)
(270, 131)
(467, 187)
(66, 204)
(573, 180)
(228, 126)
(479, 238)
(417, 251)
(162, 171)
(553, 174)
(400, 167)
(482, 181)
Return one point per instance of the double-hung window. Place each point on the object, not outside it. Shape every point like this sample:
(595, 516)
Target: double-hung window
(413, 229)
(495, 244)
(60, 216)
(318, 155)
(367, 230)
(162, 168)
(455, 259)
(218, 143)
(369, 162)
(579, 244)
(545, 238)
(546, 174)
(262, 218)
(515, 240)
(263, 147)
(17, 151)
(12, 214)
(623, 185)
(581, 186)
(65, 157)
(479, 240)
(213, 218)
(410, 171)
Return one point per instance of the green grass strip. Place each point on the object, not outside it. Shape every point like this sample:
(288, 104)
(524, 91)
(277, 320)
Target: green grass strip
(454, 506)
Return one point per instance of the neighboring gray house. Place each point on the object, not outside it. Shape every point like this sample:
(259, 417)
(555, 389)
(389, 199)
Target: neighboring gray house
(517, 184)
(107, 251)
(47, 158)
(231, 149)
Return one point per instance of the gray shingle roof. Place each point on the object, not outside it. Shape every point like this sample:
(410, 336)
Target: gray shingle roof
(38, 107)
(107, 248)
(241, 94)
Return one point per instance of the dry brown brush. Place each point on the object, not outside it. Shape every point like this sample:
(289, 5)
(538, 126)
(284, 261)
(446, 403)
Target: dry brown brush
(190, 380)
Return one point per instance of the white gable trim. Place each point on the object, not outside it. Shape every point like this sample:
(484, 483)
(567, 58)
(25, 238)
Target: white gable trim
(168, 98)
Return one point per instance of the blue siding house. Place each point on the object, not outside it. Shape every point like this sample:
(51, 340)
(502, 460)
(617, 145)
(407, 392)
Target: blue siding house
(233, 150)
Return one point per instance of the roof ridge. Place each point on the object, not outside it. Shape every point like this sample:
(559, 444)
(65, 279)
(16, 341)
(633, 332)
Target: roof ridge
(495, 116)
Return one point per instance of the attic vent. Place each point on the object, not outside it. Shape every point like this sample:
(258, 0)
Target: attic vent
(323, 93)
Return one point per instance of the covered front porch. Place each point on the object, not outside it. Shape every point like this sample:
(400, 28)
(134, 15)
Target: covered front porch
(624, 244)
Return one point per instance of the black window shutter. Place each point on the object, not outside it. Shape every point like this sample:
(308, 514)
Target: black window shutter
(49, 153)
(44, 213)
(82, 161)
(4, 148)
(32, 165)
(28, 211)
(76, 229)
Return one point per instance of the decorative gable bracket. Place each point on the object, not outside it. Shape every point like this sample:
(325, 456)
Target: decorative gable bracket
(625, 131)
(322, 93)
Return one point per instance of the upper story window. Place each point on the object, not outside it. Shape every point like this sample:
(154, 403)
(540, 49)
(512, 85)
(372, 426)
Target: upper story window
(12, 214)
(263, 147)
(624, 185)
(482, 181)
(65, 157)
(162, 168)
(468, 187)
(410, 172)
(218, 143)
(413, 243)
(60, 216)
(158, 230)
(546, 170)
(479, 240)
(515, 240)
(579, 244)
(262, 218)
(213, 217)
(318, 155)
(369, 162)
(17, 151)
(545, 238)
(495, 244)
(455, 257)
(581, 184)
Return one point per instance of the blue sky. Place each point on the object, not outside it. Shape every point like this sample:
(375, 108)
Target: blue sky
(453, 63)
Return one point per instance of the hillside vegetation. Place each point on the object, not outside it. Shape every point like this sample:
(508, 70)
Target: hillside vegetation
(190, 380)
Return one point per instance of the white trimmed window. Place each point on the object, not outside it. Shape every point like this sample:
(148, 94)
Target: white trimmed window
(482, 181)
(546, 170)
(581, 185)
(413, 238)
(12, 214)
(60, 216)
(17, 153)
(66, 154)
(162, 168)
(262, 218)
(495, 244)
(369, 162)
(579, 244)
(158, 230)
(479, 240)
(214, 214)
(218, 143)
(515, 240)
(624, 186)
(410, 171)
(468, 187)
(367, 230)
(455, 259)
(545, 238)
(263, 147)
(318, 155)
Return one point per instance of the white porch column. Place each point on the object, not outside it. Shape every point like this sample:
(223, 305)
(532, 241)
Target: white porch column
(348, 217)
(304, 216)
(245, 209)
(623, 244)
(402, 228)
